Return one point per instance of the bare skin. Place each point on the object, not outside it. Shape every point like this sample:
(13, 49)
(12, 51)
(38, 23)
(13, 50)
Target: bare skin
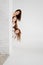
(16, 13)
(15, 26)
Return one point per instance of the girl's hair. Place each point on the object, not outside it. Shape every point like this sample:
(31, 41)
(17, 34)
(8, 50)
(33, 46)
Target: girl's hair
(19, 15)
(16, 26)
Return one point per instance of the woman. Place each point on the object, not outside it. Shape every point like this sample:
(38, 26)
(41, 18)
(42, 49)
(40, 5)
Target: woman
(16, 17)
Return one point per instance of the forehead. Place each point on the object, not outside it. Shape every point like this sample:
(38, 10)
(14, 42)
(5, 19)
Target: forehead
(18, 11)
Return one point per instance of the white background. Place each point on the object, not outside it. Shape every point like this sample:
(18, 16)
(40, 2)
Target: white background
(31, 23)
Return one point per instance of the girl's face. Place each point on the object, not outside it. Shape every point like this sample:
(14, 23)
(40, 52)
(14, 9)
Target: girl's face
(17, 31)
(16, 13)
(14, 19)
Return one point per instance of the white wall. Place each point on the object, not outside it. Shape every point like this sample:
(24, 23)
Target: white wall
(4, 26)
(31, 23)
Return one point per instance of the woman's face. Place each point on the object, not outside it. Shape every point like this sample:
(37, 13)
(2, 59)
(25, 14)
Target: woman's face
(14, 19)
(17, 12)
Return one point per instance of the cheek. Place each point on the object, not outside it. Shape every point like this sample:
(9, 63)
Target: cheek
(17, 13)
(14, 19)
(13, 24)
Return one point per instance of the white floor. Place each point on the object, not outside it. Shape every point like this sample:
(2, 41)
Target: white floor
(25, 57)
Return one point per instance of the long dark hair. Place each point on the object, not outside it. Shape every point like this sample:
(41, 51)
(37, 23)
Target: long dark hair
(19, 15)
